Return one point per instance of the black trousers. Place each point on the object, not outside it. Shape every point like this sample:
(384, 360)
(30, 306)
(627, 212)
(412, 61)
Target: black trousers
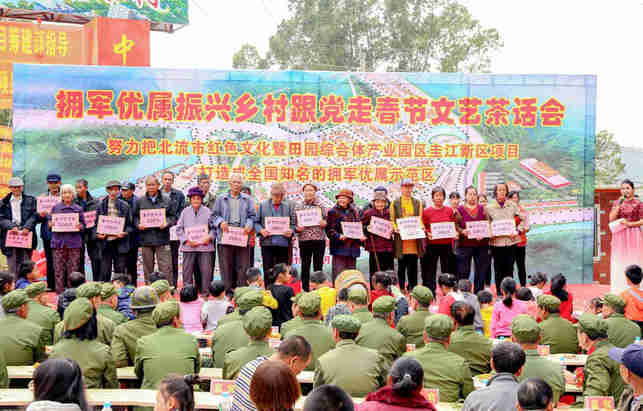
(311, 250)
(94, 258)
(49, 256)
(174, 253)
(111, 258)
(407, 266)
(481, 261)
(429, 263)
(131, 264)
(271, 256)
(503, 263)
(521, 253)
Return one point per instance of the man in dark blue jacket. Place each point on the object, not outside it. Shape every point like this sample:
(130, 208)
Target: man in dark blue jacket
(178, 198)
(17, 213)
(53, 189)
(127, 195)
(88, 203)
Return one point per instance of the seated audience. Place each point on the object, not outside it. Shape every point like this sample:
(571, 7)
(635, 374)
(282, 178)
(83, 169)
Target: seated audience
(464, 288)
(274, 387)
(328, 398)
(485, 298)
(27, 274)
(448, 285)
(191, 306)
(633, 296)
(176, 393)
(125, 291)
(506, 309)
(535, 394)
(381, 286)
(282, 293)
(621, 332)
(557, 289)
(320, 284)
(537, 282)
(216, 307)
(524, 294)
(467, 342)
(75, 279)
(58, 385)
(557, 332)
(341, 308)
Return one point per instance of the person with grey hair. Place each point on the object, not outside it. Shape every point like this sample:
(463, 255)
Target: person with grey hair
(66, 245)
(233, 209)
(17, 214)
(274, 246)
(203, 182)
(178, 199)
(154, 241)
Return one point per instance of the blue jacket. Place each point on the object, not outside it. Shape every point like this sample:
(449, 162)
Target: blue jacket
(267, 209)
(124, 302)
(221, 212)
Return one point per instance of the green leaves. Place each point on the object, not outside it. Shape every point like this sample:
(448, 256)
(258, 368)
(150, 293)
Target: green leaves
(609, 166)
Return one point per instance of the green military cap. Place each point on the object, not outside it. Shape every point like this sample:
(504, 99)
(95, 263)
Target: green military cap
(108, 290)
(161, 286)
(614, 301)
(438, 326)
(77, 313)
(257, 322)
(592, 324)
(250, 300)
(548, 302)
(384, 304)
(309, 303)
(89, 290)
(422, 294)
(239, 291)
(346, 323)
(358, 295)
(143, 297)
(14, 300)
(35, 289)
(165, 312)
(296, 298)
(525, 329)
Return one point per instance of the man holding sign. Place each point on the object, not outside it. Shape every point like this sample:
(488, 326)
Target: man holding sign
(113, 226)
(196, 240)
(89, 204)
(17, 215)
(53, 191)
(275, 226)
(154, 233)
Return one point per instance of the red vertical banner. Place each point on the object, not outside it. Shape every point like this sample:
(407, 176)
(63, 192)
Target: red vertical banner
(118, 42)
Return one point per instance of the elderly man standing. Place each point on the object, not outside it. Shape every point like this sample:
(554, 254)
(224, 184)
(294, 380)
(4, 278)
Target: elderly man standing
(178, 198)
(17, 214)
(53, 189)
(233, 209)
(154, 241)
(127, 195)
(274, 246)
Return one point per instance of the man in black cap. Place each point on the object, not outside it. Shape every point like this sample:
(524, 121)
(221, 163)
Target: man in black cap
(178, 198)
(631, 369)
(113, 248)
(17, 213)
(53, 189)
(88, 203)
(127, 195)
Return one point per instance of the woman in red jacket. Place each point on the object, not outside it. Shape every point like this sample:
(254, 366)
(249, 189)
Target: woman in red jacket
(557, 289)
(403, 390)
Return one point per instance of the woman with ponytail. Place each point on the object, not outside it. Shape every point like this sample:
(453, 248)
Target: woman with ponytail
(506, 309)
(558, 290)
(176, 393)
(403, 390)
(58, 386)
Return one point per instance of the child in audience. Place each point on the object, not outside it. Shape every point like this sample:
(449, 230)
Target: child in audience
(6, 286)
(216, 306)
(485, 298)
(447, 283)
(401, 303)
(255, 280)
(295, 283)
(537, 282)
(506, 309)
(282, 293)
(340, 308)
(121, 282)
(465, 287)
(558, 283)
(524, 294)
(595, 306)
(191, 305)
(633, 296)
(381, 286)
(320, 284)
(26, 274)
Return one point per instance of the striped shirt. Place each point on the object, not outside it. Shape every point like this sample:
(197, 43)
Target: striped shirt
(241, 396)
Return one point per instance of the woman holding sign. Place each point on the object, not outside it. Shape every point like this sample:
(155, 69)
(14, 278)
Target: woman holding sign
(196, 240)
(310, 221)
(114, 224)
(442, 218)
(502, 214)
(342, 233)
(626, 218)
(377, 223)
(67, 223)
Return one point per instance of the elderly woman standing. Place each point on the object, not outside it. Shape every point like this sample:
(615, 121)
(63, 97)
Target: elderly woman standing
(312, 239)
(66, 245)
(196, 251)
(274, 246)
(343, 249)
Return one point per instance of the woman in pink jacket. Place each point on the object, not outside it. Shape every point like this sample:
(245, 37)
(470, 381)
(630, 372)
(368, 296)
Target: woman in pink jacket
(403, 390)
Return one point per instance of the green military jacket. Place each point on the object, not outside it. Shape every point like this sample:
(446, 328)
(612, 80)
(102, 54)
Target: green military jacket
(551, 372)
(227, 338)
(357, 370)
(318, 336)
(363, 315)
(559, 334)
(22, 341)
(476, 348)
(94, 359)
(234, 361)
(444, 370)
(378, 335)
(125, 338)
(4, 375)
(602, 374)
(290, 325)
(44, 317)
(621, 332)
(108, 312)
(228, 318)
(105, 330)
(168, 350)
(411, 326)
